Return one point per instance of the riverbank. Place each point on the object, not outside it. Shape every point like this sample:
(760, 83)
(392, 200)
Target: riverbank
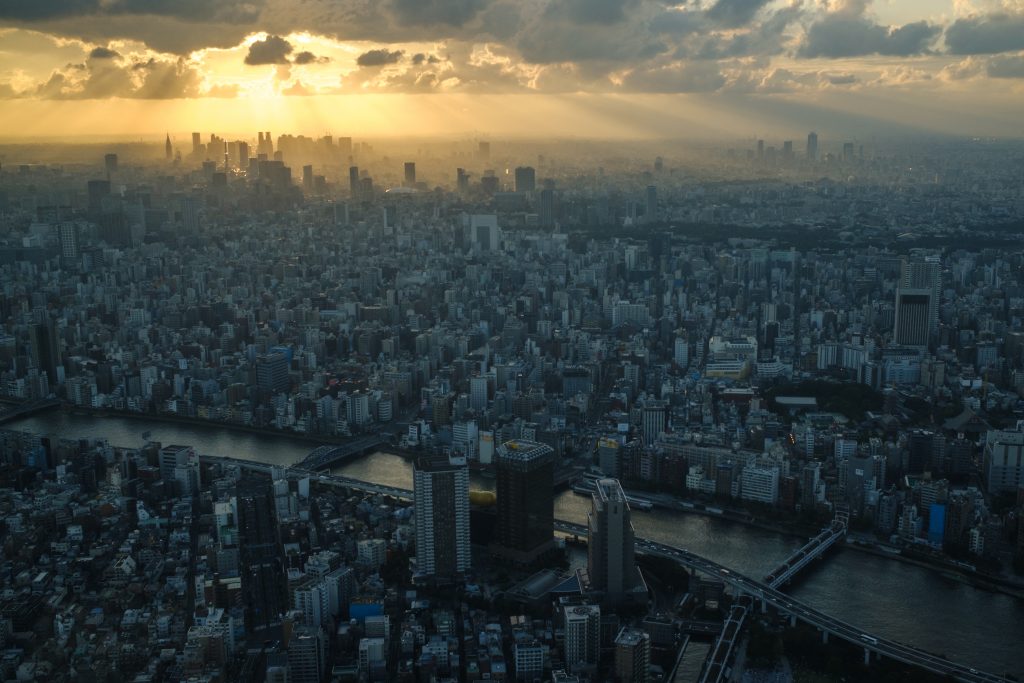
(322, 440)
(990, 584)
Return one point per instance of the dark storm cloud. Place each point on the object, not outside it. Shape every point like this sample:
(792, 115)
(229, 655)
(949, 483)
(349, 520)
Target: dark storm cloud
(104, 53)
(592, 11)
(986, 34)
(379, 57)
(271, 50)
(735, 13)
(842, 36)
(445, 12)
(307, 57)
(420, 58)
(191, 10)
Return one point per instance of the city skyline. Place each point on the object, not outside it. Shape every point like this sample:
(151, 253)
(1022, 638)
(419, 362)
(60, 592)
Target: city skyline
(616, 68)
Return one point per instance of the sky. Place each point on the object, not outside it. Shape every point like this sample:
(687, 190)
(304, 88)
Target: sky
(530, 68)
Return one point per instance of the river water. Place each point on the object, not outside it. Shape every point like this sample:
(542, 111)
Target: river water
(883, 596)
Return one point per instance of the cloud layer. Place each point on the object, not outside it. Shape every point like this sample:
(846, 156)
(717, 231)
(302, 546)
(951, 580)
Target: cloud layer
(221, 48)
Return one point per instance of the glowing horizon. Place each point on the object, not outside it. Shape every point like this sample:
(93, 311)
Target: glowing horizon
(495, 67)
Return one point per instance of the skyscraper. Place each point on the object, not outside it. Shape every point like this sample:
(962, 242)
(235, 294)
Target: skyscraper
(525, 477)
(441, 495)
(45, 347)
(168, 149)
(812, 146)
(353, 182)
(651, 208)
(913, 310)
(410, 174)
(611, 564)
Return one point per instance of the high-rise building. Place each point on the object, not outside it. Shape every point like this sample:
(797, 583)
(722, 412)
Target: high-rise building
(582, 637)
(441, 495)
(461, 180)
(307, 655)
(525, 480)
(547, 208)
(913, 310)
(1003, 463)
(45, 347)
(272, 372)
(924, 273)
(307, 178)
(263, 581)
(812, 146)
(197, 143)
(611, 564)
(353, 182)
(632, 655)
(410, 174)
(68, 233)
(243, 155)
(168, 149)
(654, 418)
(651, 204)
(526, 179)
(478, 393)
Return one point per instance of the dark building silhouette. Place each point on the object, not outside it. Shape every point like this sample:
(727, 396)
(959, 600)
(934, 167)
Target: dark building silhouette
(525, 479)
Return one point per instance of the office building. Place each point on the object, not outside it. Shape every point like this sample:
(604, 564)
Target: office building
(582, 637)
(611, 563)
(1003, 464)
(272, 372)
(525, 480)
(654, 420)
(410, 174)
(632, 655)
(913, 306)
(526, 179)
(263, 581)
(528, 658)
(441, 495)
(307, 655)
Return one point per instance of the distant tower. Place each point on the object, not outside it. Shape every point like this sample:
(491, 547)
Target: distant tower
(197, 143)
(410, 174)
(526, 179)
(168, 150)
(651, 208)
(812, 146)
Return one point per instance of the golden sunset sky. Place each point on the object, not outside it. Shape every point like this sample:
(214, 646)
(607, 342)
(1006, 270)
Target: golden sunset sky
(593, 68)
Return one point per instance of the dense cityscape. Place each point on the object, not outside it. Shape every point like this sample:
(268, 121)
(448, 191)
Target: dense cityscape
(817, 338)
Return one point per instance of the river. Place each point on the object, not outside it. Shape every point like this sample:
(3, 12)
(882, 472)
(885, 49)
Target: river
(893, 599)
